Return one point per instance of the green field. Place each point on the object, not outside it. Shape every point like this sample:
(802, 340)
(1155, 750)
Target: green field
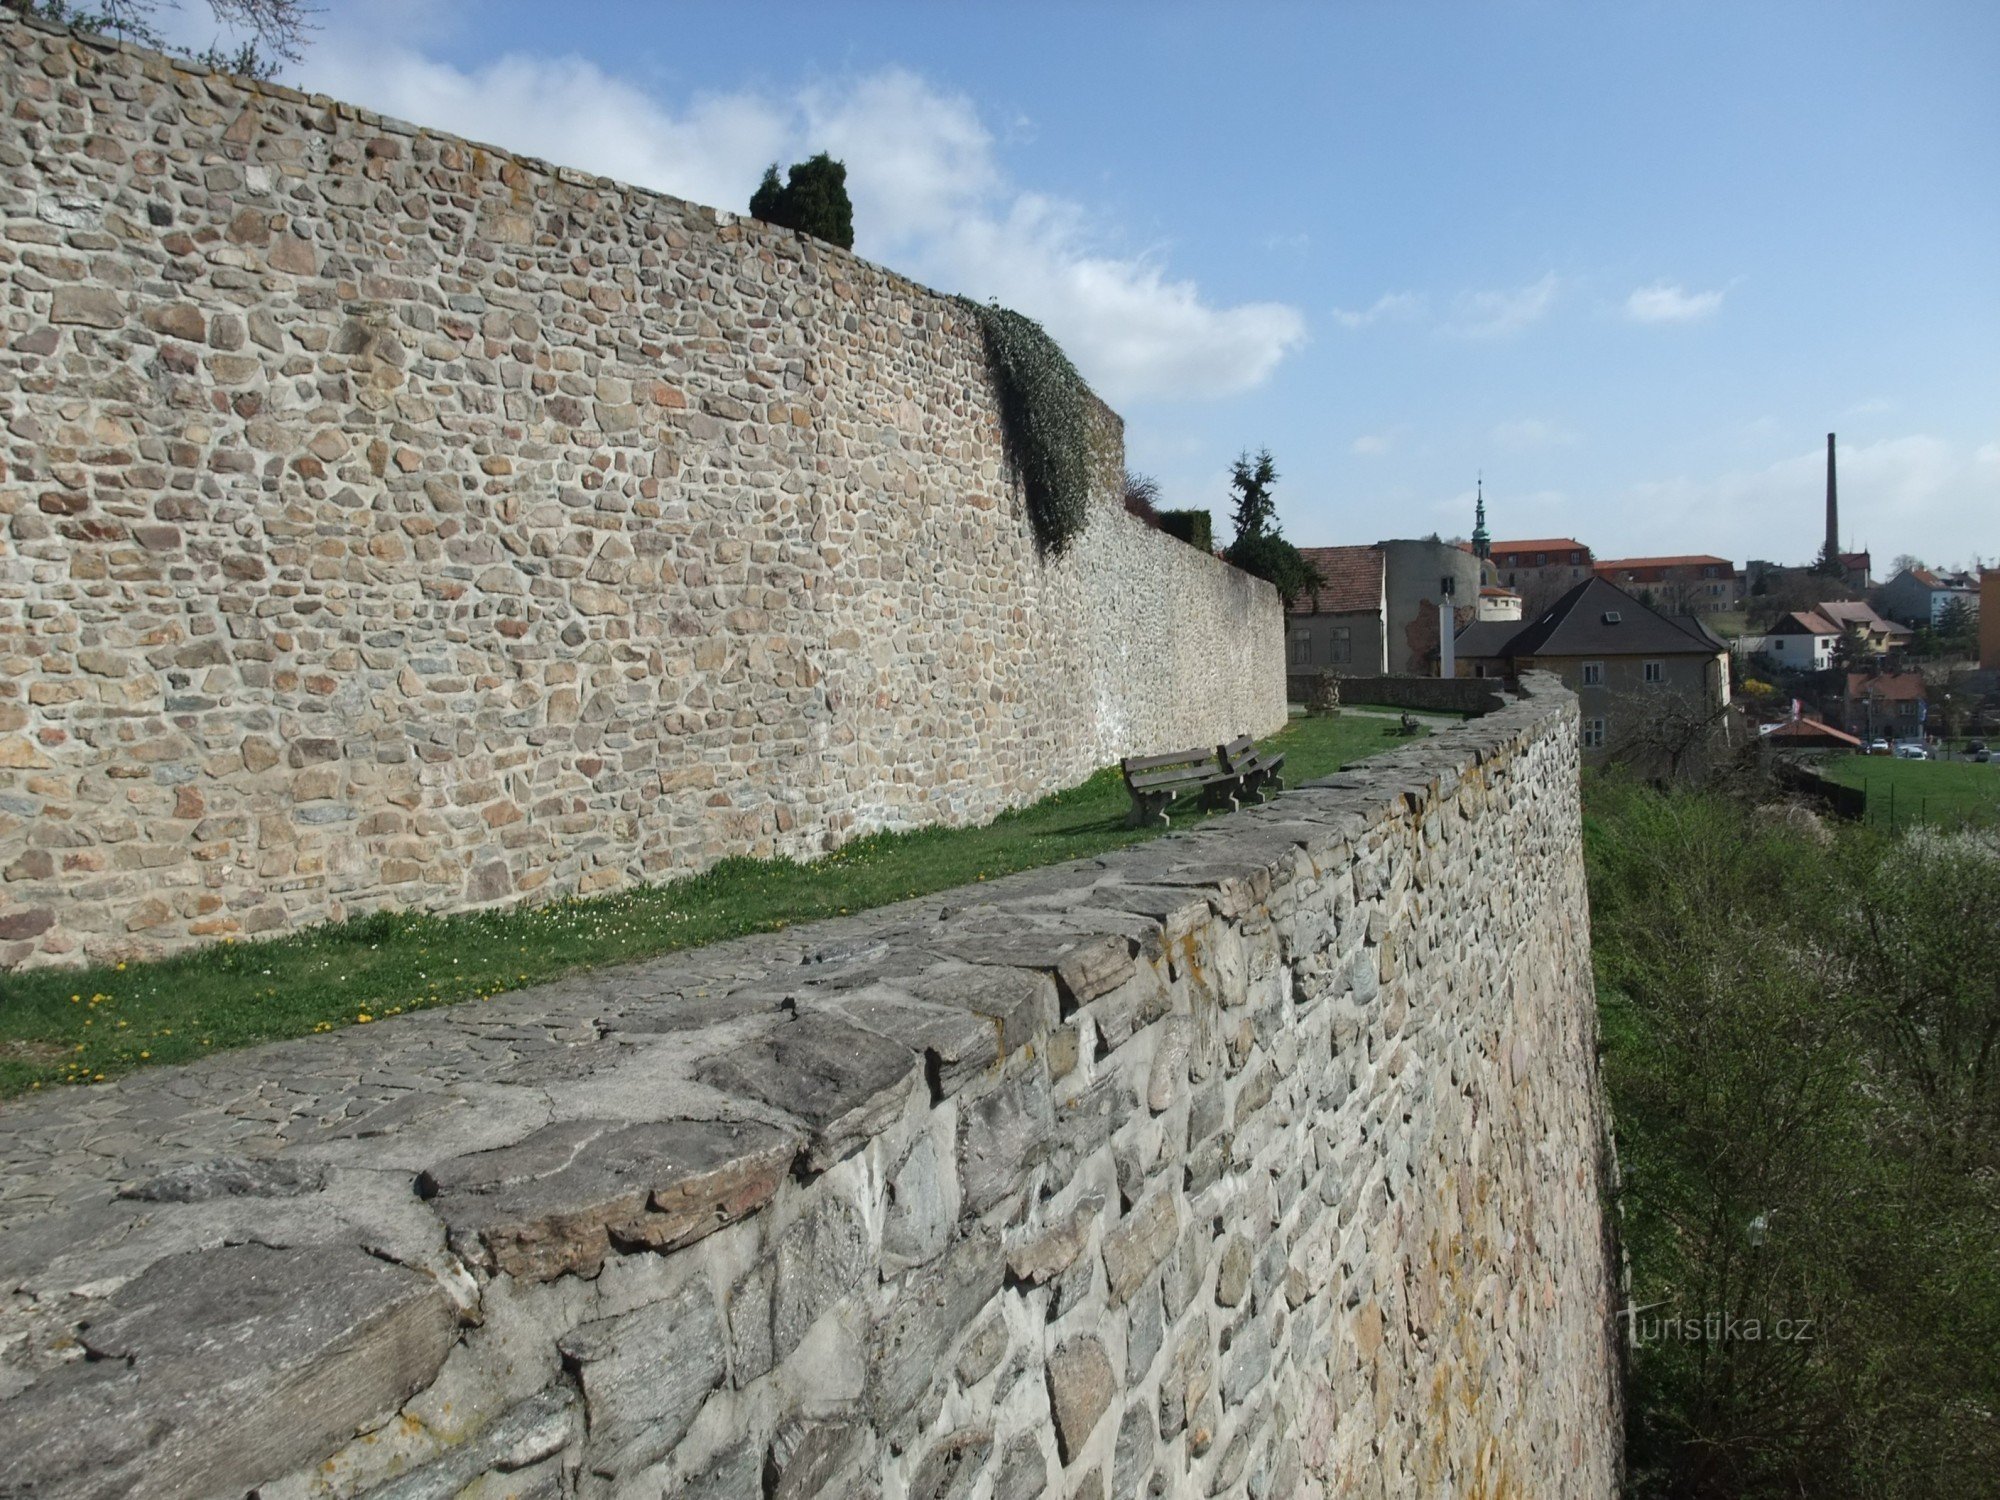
(84, 1026)
(1921, 791)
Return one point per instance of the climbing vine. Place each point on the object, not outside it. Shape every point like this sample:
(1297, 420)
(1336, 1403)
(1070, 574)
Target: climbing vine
(1045, 412)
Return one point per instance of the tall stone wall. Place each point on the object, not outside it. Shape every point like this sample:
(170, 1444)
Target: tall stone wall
(1262, 1160)
(390, 520)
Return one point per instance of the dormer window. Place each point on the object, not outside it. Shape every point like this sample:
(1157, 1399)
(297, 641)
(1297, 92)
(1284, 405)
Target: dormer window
(1612, 617)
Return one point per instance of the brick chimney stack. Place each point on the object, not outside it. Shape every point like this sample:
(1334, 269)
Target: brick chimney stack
(1832, 506)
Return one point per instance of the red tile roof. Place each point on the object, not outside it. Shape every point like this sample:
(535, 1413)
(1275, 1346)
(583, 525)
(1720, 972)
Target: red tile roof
(1350, 581)
(1895, 687)
(1643, 564)
(1542, 544)
(1804, 731)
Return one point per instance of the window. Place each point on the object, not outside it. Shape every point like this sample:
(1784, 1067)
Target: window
(1593, 674)
(1576, 557)
(1593, 734)
(1302, 647)
(1656, 672)
(1343, 645)
(1540, 558)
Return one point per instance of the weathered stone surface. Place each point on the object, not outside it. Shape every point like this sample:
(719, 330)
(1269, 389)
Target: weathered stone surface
(1023, 1473)
(1021, 1005)
(923, 1205)
(806, 1455)
(561, 1199)
(1134, 1249)
(907, 1345)
(538, 1428)
(844, 1083)
(1081, 1385)
(1001, 1135)
(221, 1368)
(819, 1260)
(225, 1177)
(572, 552)
(644, 1375)
(953, 1466)
(1084, 965)
(1133, 1455)
(1035, 1258)
(1270, 1285)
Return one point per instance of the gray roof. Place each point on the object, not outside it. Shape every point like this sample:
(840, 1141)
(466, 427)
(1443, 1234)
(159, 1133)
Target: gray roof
(1593, 619)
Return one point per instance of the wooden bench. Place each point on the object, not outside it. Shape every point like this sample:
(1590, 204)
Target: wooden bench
(1409, 725)
(1258, 768)
(1156, 780)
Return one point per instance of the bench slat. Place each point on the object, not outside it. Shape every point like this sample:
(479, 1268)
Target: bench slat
(1178, 758)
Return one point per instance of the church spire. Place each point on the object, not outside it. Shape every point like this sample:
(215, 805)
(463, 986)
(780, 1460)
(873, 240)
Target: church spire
(1482, 544)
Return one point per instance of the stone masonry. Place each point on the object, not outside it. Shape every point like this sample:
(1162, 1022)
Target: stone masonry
(387, 520)
(1258, 1160)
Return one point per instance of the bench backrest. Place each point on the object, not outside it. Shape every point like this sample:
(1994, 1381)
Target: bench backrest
(1237, 750)
(1178, 765)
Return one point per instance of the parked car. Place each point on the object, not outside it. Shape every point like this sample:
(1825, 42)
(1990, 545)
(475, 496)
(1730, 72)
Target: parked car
(1878, 747)
(1982, 755)
(1912, 752)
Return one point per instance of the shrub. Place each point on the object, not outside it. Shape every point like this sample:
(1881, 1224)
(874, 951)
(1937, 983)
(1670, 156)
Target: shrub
(1194, 526)
(1046, 418)
(813, 200)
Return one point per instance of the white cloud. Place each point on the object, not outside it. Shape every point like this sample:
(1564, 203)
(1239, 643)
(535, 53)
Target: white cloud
(1665, 302)
(1390, 306)
(1498, 314)
(1533, 435)
(1372, 445)
(930, 195)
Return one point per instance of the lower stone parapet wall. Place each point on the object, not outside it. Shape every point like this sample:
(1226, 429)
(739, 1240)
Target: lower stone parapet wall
(1259, 1160)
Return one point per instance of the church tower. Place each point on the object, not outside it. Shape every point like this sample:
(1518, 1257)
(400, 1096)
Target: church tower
(1482, 543)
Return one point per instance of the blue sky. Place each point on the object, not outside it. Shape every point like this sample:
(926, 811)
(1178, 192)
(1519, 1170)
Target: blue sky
(1633, 261)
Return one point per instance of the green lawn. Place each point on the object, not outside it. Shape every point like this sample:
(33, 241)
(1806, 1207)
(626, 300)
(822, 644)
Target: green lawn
(1921, 791)
(84, 1026)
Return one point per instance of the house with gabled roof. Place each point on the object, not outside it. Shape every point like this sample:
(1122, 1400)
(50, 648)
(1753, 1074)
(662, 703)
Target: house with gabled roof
(1624, 661)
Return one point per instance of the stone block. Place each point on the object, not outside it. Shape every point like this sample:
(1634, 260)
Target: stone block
(1081, 1385)
(922, 1207)
(844, 1083)
(819, 1260)
(1134, 1248)
(1023, 1473)
(807, 1454)
(1037, 1256)
(1001, 1138)
(219, 1369)
(952, 1466)
(925, 1315)
(564, 1197)
(644, 1376)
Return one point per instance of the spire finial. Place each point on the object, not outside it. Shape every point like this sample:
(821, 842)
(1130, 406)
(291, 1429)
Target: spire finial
(1482, 544)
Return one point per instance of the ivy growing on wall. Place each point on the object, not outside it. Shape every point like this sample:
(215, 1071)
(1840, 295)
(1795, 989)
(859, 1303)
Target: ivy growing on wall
(1045, 411)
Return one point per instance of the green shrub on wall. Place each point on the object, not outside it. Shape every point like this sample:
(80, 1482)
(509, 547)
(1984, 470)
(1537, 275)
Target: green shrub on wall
(1196, 527)
(1045, 413)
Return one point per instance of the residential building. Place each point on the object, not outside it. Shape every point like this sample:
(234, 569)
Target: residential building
(1801, 641)
(1340, 624)
(1695, 583)
(1804, 733)
(1541, 568)
(1376, 609)
(1884, 637)
(1496, 603)
(1884, 705)
(1919, 596)
(1632, 668)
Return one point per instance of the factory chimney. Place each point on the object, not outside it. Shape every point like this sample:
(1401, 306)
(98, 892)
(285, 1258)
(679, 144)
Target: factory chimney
(1832, 508)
